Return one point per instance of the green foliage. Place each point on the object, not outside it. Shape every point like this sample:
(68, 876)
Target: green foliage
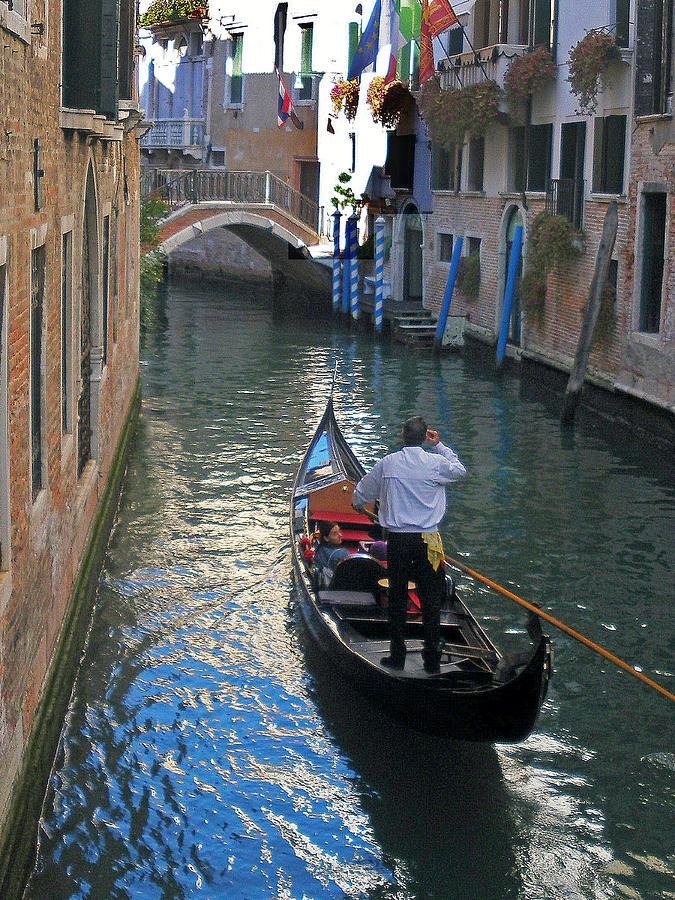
(173, 10)
(453, 114)
(553, 243)
(588, 59)
(527, 74)
(468, 276)
(153, 210)
(344, 195)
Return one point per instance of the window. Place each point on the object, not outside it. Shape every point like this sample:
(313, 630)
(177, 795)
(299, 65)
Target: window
(473, 246)
(445, 247)
(455, 38)
(654, 59)
(280, 19)
(91, 44)
(66, 330)
(105, 274)
(307, 32)
(608, 154)
(114, 271)
(542, 35)
(4, 444)
(446, 167)
(400, 164)
(653, 247)
(621, 19)
(531, 167)
(236, 77)
(36, 381)
(476, 160)
(217, 159)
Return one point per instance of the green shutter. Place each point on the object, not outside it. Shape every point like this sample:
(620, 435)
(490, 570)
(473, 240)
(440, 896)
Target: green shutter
(110, 36)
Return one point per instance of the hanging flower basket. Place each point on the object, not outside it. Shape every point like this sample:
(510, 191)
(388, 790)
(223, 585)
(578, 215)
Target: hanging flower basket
(453, 114)
(588, 60)
(553, 243)
(168, 11)
(529, 73)
(344, 95)
(387, 101)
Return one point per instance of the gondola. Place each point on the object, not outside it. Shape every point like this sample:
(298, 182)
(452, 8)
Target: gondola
(480, 694)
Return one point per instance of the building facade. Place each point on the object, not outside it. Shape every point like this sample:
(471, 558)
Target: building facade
(69, 326)
(554, 156)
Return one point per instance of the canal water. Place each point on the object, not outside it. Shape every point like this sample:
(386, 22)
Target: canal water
(208, 753)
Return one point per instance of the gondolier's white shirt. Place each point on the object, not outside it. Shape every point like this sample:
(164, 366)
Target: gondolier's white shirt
(410, 485)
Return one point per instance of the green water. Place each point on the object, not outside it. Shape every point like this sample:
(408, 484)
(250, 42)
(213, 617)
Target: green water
(208, 754)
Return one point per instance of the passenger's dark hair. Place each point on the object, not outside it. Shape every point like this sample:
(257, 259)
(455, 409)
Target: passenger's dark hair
(325, 529)
(414, 431)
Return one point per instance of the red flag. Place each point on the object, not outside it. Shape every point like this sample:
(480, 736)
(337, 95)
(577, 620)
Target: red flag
(441, 16)
(427, 65)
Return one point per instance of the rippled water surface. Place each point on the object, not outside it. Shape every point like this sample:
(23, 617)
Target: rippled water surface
(207, 753)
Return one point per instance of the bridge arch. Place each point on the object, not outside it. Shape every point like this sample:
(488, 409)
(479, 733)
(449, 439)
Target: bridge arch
(196, 219)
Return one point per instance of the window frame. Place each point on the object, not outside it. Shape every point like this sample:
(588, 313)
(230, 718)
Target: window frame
(603, 157)
(645, 190)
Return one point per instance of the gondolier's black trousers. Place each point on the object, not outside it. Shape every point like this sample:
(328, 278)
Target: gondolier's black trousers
(407, 560)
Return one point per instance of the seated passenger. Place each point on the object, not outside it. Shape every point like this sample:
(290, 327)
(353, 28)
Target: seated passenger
(329, 552)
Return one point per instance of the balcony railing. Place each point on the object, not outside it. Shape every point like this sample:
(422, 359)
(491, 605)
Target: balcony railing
(174, 134)
(565, 197)
(488, 64)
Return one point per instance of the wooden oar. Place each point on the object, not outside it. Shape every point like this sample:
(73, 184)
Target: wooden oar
(561, 626)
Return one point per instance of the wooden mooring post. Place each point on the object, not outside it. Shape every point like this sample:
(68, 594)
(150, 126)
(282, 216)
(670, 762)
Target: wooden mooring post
(576, 379)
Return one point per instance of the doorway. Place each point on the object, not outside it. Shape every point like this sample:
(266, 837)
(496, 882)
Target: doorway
(412, 257)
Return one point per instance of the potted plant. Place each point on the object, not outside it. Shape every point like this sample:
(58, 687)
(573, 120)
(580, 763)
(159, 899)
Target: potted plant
(553, 242)
(387, 101)
(587, 62)
(345, 95)
(167, 11)
(453, 114)
(528, 73)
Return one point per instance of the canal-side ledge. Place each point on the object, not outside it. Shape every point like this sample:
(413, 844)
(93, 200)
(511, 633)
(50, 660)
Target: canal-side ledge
(18, 838)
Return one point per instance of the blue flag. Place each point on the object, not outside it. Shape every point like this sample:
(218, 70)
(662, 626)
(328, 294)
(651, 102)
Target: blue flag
(366, 52)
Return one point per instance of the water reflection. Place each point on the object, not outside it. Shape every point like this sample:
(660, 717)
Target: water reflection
(203, 758)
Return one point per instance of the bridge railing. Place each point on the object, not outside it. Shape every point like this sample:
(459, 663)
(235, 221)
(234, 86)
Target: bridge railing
(178, 187)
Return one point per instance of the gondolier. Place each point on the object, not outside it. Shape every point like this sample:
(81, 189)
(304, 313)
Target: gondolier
(410, 485)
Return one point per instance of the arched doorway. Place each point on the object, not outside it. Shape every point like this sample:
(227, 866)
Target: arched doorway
(412, 256)
(88, 310)
(515, 218)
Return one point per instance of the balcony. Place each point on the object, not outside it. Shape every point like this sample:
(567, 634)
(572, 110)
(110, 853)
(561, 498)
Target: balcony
(175, 134)
(565, 197)
(487, 64)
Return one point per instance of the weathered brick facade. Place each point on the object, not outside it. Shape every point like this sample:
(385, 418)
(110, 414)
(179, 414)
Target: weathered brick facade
(84, 161)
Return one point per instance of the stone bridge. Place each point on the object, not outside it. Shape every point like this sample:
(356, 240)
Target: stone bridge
(272, 218)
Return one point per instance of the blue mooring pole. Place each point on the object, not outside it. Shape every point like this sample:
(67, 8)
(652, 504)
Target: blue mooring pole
(346, 270)
(336, 261)
(449, 288)
(354, 267)
(510, 290)
(379, 273)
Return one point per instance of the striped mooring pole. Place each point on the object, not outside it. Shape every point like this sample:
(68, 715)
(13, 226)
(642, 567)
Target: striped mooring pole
(336, 261)
(354, 267)
(379, 273)
(346, 283)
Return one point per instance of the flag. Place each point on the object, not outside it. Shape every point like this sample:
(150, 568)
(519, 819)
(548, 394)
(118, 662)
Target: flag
(285, 109)
(427, 65)
(441, 16)
(391, 41)
(366, 51)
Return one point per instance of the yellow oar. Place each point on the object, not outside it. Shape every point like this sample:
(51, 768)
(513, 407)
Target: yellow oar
(561, 626)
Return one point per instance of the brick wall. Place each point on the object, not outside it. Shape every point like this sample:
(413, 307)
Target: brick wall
(46, 537)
